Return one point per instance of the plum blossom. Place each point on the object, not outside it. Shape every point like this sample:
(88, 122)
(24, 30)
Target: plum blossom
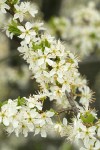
(22, 9)
(27, 32)
(3, 6)
(26, 118)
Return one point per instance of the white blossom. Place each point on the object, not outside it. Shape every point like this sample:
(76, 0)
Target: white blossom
(27, 32)
(22, 9)
(24, 119)
(3, 6)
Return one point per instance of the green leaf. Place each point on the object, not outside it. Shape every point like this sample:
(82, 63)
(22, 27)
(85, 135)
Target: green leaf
(47, 44)
(36, 46)
(12, 1)
(88, 118)
(5, 102)
(15, 1)
(36, 29)
(21, 101)
(13, 28)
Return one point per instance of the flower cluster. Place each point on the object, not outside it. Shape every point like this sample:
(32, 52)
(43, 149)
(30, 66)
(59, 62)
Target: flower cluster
(86, 29)
(24, 115)
(53, 68)
(88, 134)
(56, 71)
(59, 26)
(81, 32)
(22, 10)
(84, 129)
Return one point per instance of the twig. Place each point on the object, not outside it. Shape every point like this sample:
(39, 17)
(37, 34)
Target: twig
(65, 110)
(71, 102)
(10, 12)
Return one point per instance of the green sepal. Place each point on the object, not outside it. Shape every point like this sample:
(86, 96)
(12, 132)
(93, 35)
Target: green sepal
(36, 29)
(43, 98)
(52, 110)
(70, 60)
